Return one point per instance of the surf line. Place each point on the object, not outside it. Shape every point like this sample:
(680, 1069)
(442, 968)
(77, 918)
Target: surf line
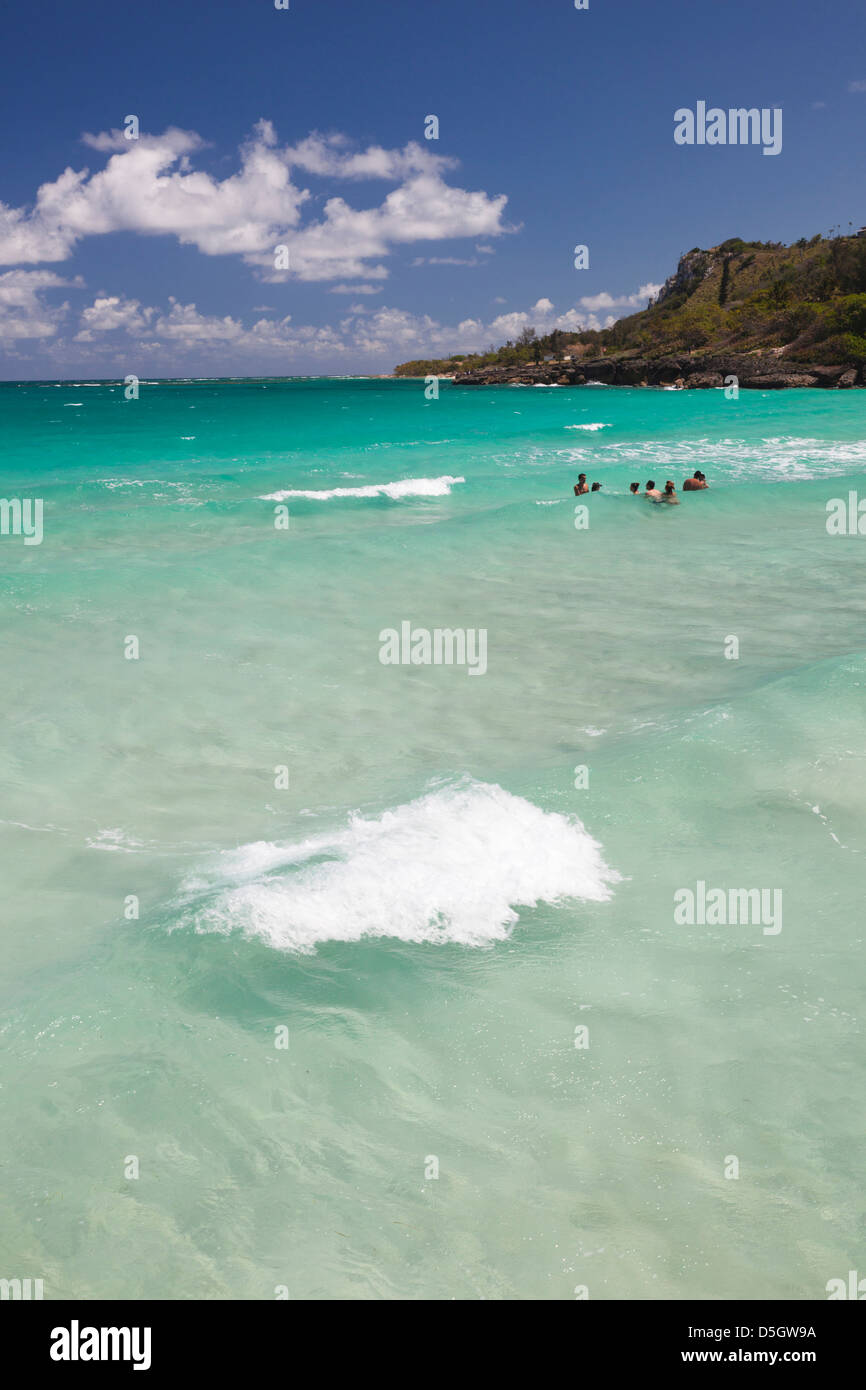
(444, 646)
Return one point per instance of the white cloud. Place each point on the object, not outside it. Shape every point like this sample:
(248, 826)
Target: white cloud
(184, 327)
(184, 323)
(150, 187)
(594, 302)
(859, 86)
(444, 260)
(111, 312)
(376, 338)
(332, 155)
(423, 208)
(355, 289)
(598, 301)
(23, 310)
(510, 325)
(139, 190)
(26, 238)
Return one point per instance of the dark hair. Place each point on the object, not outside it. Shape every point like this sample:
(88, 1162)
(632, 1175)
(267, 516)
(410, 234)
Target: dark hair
(633, 487)
(697, 473)
(650, 483)
(581, 477)
(596, 487)
(669, 488)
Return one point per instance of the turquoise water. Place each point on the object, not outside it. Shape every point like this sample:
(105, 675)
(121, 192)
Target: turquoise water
(431, 907)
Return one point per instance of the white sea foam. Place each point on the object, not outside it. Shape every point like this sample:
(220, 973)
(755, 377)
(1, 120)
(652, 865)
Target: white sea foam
(113, 483)
(22, 825)
(407, 487)
(594, 426)
(454, 866)
(114, 839)
(777, 456)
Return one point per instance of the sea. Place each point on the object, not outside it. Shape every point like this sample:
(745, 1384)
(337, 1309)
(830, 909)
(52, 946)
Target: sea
(418, 882)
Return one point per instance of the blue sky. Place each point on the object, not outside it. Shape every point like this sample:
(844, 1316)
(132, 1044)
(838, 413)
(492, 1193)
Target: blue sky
(305, 128)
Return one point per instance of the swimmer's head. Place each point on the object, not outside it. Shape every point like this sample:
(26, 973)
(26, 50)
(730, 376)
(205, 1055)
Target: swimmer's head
(633, 487)
(596, 487)
(669, 487)
(650, 484)
(581, 477)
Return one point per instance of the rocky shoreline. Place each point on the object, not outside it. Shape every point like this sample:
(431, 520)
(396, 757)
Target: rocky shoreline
(754, 372)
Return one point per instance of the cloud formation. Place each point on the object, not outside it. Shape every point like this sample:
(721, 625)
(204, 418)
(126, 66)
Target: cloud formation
(150, 186)
(116, 328)
(24, 312)
(115, 325)
(594, 302)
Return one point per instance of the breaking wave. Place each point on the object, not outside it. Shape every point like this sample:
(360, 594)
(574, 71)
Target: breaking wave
(407, 487)
(453, 866)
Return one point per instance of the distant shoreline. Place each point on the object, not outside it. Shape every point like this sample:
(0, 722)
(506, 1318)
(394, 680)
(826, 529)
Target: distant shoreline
(752, 372)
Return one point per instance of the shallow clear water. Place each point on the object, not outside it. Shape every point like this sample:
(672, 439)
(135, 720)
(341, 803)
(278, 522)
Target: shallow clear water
(431, 907)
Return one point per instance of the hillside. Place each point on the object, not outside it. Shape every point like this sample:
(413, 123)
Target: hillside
(797, 308)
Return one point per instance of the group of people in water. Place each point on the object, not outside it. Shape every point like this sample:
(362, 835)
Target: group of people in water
(693, 484)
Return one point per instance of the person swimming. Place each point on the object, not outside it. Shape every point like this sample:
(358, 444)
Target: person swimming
(696, 483)
(634, 488)
(652, 492)
(670, 494)
(596, 487)
(581, 485)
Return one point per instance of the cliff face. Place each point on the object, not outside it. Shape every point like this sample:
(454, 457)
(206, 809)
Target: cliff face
(770, 314)
(692, 269)
(805, 304)
(754, 372)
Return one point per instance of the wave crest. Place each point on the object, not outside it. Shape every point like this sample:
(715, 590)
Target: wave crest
(406, 487)
(452, 866)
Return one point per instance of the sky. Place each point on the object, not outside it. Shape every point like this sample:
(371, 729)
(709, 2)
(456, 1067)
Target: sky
(306, 128)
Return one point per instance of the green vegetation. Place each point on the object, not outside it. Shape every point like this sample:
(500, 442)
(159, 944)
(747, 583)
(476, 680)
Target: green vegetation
(529, 347)
(807, 301)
